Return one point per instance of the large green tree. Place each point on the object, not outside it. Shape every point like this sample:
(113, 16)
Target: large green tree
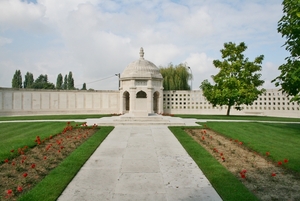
(176, 77)
(28, 82)
(17, 80)
(42, 83)
(238, 80)
(59, 81)
(289, 27)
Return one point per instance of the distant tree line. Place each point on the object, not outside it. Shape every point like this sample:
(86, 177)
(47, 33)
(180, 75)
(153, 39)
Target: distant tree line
(66, 83)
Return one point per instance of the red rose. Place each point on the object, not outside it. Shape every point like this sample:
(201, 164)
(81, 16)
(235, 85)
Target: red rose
(19, 189)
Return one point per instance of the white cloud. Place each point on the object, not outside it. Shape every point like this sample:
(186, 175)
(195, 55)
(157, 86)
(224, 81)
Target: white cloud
(201, 62)
(4, 41)
(202, 68)
(19, 15)
(269, 72)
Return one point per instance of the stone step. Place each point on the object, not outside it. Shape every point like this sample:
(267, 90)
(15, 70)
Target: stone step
(155, 118)
(133, 120)
(141, 120)
(140, 123)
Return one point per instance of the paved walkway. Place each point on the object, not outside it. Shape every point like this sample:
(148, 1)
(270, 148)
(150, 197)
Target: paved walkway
(140, 163)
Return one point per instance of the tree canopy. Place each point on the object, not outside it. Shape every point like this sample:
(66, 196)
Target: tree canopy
(83, 86)
(70, 81)
(42, 83)
(17, 80)
(237, 82)
(28, 82)
(65, 84)
(176, 77)
(59, 81)
(289, 27)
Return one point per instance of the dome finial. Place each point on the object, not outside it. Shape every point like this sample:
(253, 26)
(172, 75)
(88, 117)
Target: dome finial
(142, 53)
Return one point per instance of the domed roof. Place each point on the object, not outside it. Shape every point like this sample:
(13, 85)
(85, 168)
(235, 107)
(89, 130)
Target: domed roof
(141, 68)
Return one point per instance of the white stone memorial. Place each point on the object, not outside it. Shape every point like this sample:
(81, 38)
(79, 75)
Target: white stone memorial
(141, 88)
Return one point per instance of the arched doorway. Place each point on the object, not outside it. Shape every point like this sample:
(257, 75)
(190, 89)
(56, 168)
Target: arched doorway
(155, 101)
(141, 94)
(126, 101)
(141, 101)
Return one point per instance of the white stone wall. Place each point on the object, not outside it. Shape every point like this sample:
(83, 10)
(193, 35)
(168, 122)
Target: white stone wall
(272, 103)
(27, 102)
(32, 102)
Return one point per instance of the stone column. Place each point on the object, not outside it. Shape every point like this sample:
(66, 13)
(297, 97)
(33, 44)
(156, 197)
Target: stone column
(160, 102)
(122, 102)
(132, 95)
(150, 100)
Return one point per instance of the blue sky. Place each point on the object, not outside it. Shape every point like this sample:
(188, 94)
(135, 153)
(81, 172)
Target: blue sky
(95, 39)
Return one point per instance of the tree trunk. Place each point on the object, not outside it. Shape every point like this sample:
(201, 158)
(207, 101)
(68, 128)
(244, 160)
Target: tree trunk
(228, 110)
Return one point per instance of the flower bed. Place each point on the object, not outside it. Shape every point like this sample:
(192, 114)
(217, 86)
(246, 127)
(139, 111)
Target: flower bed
(266, 179)
(29, 166)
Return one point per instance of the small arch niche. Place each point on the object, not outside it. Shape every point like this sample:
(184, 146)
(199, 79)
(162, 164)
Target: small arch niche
(141, 94)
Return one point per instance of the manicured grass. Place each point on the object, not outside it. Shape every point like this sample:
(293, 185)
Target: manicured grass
(239, 117)
(51, 187)
(280, 139)
(53, 117)
(225, 183)
(18, 135)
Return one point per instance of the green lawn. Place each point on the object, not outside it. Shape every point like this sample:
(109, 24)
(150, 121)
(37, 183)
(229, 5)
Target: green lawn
(280, 139)
(239, 117)
(18, 135)
(53, 117)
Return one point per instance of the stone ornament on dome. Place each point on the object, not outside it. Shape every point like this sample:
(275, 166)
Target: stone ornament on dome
(141, 53)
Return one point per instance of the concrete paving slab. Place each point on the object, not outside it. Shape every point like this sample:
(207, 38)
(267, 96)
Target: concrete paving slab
(91, 183)
(140, 183)
(103, 162)
(110, 152)
(187, 194)
(141, 142)
(139, 166)
(170, 151)
(139, 153)
(139, 197)
(184, 178)
(140, 163)
(87, 196)
(168, 163)
(114, 144)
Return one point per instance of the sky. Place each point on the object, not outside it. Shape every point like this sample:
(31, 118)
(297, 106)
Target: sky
(96, 39)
